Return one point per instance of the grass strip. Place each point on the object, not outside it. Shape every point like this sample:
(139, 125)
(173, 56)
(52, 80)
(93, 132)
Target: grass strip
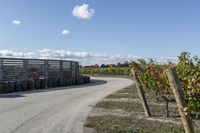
(128, 106)
(116, 124)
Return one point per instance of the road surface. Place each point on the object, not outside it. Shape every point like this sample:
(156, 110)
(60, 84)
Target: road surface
(54, 111)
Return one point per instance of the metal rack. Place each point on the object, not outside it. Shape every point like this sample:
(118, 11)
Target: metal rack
(18, 74)
(12, 69)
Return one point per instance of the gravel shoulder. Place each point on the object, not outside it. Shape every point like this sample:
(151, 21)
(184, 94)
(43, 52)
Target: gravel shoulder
(63, 110)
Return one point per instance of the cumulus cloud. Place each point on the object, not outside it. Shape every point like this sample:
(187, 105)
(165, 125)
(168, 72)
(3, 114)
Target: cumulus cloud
(65, 32)
(64, 54)
(17, 54)
(83, 11)
(167, 59)
(85, 58)
(16, 22)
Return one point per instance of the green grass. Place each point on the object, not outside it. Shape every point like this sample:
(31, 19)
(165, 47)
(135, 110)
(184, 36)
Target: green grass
(116, 124)
(128, 92)
(131, 93)
(129, 89)
(122, 95)
(128, 106)
(119, 105)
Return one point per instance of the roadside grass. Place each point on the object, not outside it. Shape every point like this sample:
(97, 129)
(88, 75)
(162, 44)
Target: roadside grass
(122, 124)
(129, 89)
(131, 92)
(128, 92)
(133, 106)
(122, 95)
(116, 124)
(127, 106)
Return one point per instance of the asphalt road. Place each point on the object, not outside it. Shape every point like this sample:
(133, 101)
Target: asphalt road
(63, 110)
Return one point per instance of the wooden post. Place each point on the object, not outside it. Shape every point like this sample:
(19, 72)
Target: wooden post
(181, 102)
(141, 94)
(167, 108)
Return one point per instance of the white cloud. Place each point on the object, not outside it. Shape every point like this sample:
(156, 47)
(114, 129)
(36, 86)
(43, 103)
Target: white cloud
(16, 54)
(83, 11)
(16, 22)
(85, 58)
(65, 32)
(64, 54)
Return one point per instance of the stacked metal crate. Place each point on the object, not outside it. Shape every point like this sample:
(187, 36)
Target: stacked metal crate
(29, 74)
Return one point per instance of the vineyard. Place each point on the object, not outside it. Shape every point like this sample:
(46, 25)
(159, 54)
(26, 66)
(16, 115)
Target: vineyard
(106, 71)
(152, 77)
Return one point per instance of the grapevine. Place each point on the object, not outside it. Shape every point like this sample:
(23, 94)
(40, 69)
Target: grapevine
(152, 76)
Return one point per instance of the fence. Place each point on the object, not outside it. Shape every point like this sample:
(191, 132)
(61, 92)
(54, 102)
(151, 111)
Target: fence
(24, 74)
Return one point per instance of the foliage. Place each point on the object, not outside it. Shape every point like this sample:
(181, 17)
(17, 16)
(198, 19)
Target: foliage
(106, 70)
(188, 70)
(152, 76)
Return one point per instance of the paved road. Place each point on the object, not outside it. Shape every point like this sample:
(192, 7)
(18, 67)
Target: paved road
(60, 111)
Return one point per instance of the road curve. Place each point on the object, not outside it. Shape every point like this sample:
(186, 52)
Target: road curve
(54, 111)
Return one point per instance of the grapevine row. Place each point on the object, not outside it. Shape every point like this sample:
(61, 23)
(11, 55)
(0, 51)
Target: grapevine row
(152, 76)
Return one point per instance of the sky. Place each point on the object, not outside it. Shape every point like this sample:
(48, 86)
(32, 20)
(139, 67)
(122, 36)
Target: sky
(99, 31)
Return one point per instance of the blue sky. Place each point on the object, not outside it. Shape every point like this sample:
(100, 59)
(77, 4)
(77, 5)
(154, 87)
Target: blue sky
(116, 28)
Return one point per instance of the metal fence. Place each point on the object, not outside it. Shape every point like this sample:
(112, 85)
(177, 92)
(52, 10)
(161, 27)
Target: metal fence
(22, 74)
(12, 69)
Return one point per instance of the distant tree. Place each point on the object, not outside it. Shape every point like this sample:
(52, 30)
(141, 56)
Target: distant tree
(86, 66)
(103, 65)
(113, 65)
(107, 66)
(119, 64)
(126, 64)
(96, 66)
